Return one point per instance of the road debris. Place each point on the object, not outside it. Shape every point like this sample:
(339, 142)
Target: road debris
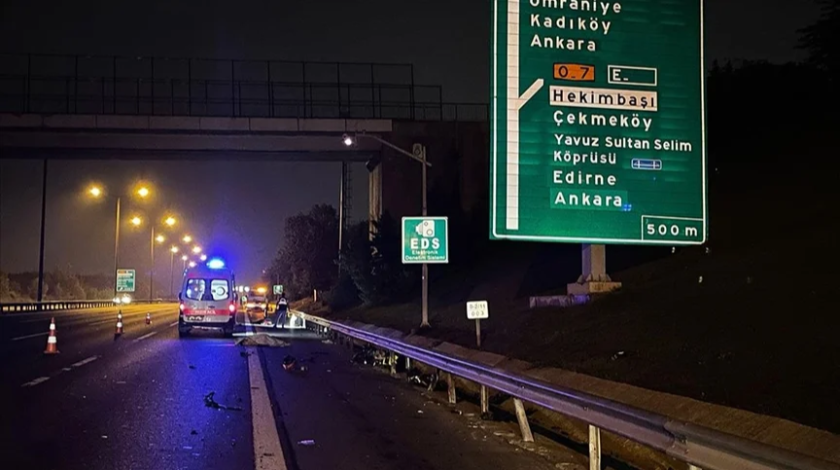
(262, 339)
(210, 402)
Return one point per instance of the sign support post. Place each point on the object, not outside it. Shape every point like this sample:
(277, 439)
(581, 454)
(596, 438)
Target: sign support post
(476, 310)
(594, 278)
(425, 240)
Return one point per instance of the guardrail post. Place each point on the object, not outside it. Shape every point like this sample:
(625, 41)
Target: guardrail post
(594, 448)
(522, 418)
(450, 387)
(485, 401)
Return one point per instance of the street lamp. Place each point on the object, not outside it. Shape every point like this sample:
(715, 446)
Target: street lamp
(192, 264)
(203, 257)
(184, 259)
(98, 192)
(187, 239)
(170, 221)
(418, 152)
(196, 249)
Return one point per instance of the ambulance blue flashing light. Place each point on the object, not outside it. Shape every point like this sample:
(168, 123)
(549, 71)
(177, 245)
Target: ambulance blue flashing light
(215, 263)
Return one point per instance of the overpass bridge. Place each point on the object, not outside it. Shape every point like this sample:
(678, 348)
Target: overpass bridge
(95, 107)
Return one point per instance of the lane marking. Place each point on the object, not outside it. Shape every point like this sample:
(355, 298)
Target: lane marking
(30, 336)
(268, 453)
(35, 382)
(85, 361)
(147, 335)
(175, 323)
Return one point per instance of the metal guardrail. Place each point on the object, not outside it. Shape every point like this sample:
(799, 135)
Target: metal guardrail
(701, 447)
(58, 305)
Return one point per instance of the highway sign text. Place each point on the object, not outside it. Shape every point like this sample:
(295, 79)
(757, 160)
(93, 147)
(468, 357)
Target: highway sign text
(598, 122)
(425, 240)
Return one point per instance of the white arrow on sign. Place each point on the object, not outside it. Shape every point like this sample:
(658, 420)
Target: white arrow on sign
(514, 103)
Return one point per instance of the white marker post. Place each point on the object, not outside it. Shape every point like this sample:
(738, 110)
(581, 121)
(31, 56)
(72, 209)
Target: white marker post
(476, 310)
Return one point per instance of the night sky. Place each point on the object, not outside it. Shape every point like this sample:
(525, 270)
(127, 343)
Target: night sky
(447, 41)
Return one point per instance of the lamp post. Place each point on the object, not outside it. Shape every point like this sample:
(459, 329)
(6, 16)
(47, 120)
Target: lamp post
(418, 153)
(172, 252)
(98, 192)
(43, 227)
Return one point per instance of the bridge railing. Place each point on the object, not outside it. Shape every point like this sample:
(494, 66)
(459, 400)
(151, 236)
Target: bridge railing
(200, 87)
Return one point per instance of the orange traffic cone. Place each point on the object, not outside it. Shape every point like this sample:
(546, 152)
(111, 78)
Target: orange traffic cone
(148, 318)
(119, 329)
(52, 341)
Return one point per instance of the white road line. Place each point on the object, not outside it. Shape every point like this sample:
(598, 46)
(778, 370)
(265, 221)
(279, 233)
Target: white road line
(173, 324)
(85, 361)
(35, 382)
(268, 454)
(31, 336)
(147, 335)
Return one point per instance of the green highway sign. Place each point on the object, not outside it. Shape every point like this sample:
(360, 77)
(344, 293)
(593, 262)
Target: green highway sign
(425, 240)
(598, 122)
(278, 289)
(126, 280)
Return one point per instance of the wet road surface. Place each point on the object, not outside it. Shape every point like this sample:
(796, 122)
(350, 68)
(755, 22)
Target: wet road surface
(143, 401)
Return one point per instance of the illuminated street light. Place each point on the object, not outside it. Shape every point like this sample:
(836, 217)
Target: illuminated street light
(160, 239)
(98, 192)
(184, 258)
(174, 249)
(203, 257)
(170, 221)
(192, 264)
(348, 140)
(187, 239)
(196, 249)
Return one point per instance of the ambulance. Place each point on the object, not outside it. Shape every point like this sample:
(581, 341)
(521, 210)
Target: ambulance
(208, 298)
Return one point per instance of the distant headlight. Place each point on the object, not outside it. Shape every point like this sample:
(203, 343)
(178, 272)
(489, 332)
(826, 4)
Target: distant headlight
(116, 300)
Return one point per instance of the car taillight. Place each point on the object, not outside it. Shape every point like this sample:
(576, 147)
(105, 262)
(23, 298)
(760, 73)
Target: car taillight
(232, 307)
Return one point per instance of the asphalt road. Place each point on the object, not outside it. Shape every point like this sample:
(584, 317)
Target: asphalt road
(142, 401)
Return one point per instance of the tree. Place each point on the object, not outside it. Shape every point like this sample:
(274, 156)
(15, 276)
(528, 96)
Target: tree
(307, 257)
(822, 39)
(66, 285)
(32, 290)
(6, 293)
(374, 264)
